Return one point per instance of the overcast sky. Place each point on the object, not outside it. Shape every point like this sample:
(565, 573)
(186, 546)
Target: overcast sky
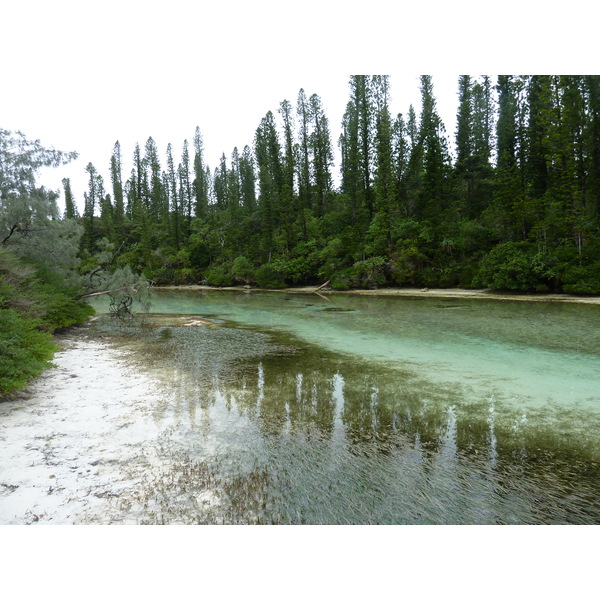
(81, 75)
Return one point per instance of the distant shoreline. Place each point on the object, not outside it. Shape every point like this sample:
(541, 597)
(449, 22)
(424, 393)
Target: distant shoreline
(455, 293)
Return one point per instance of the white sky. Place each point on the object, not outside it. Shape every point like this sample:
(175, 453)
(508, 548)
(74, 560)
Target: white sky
(81, 75)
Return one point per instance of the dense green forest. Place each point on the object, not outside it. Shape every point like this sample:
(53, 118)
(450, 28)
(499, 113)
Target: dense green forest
(513, 204)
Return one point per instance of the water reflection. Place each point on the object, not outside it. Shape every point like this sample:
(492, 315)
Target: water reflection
(281, 431)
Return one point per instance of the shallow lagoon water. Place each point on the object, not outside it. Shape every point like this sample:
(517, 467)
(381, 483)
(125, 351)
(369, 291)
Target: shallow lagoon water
(342, 409)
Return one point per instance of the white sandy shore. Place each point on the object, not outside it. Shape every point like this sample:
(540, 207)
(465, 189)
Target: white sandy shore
(412, 293)
(66, 440)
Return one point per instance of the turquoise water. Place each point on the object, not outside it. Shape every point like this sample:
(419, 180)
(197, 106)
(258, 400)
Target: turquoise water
(302, 409)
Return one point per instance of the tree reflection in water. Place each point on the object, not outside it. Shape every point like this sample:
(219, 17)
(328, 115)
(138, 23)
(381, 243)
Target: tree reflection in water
(289, 433)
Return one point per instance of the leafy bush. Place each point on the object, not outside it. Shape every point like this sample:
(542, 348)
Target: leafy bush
(25, 353)
(369, 273)
(580, 279)
(270, 276)
(242, 270)
(515, 266)
(405, 264)
(300, 269)
(342, 280)
(219, 276)
(64, 311)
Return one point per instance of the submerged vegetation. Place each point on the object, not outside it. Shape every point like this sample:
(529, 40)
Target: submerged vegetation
(260, 426)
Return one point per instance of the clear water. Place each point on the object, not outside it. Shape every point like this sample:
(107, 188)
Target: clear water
(301, 409)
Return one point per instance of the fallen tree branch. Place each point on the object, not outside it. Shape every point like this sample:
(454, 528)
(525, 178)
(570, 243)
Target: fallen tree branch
(322, 286)
(104, 292)
(321, 296)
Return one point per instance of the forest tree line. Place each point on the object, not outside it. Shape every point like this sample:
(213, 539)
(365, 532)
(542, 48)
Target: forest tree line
(515, 205)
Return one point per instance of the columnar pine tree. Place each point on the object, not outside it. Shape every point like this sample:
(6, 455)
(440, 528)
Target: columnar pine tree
(591, 86)
(414, 169)
(220, 184)
(187, 198)
(322, 154)
(117, 187)
(483, 119)
(385, 189)
(509, 196)
(247, 180)
(176, 216)
(270, 179)
(201, 182)
(464, 128)
(304, 175)
(70, 206)
(401, 154)
(157, 201)
(137, 203)
(570, 172)
(434, 196)
(107, 218)
(234, 184)
(289, 160)
(473, 145)
(348, 143)
(93, 198)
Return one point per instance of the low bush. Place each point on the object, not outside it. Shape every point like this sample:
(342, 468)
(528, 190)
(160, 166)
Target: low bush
(219, 275)
(270, 276)
(25, 351)
(515, 266)
(369, 273)
(580, 279)
(242, 270)
(34, 302)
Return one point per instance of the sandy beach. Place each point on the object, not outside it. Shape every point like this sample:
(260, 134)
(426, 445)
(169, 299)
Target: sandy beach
(75, 438)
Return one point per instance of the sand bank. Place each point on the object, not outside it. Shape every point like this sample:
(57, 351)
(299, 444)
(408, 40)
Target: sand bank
(411, 293)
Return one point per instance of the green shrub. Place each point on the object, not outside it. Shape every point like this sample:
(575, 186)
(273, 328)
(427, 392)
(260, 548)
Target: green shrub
(405, 264)
(270, 276)
(24, 351)
(342, 280)
(300, 269)
(450, 276)
(219, 276)
(64, 311)
(242, 270)
(369, 273)
(515, 266)
(579, 279)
